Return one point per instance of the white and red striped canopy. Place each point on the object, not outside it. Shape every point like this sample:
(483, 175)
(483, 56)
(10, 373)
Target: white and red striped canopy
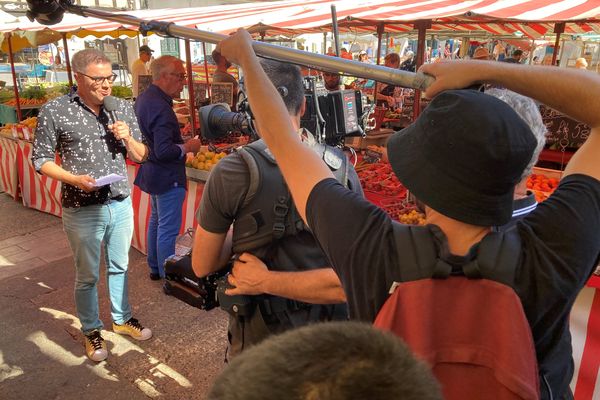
(533, 18)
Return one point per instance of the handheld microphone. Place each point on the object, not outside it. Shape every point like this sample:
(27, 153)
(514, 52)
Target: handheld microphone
(110, 106)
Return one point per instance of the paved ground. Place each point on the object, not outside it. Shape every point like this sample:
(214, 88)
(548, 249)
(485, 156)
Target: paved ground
(41, 347)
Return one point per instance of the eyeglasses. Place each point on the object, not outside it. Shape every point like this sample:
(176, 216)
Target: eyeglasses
(181, 76)
(100, 79)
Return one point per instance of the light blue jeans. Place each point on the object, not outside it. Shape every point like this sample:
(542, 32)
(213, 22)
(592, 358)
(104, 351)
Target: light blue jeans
(90, 229)
(163, 227)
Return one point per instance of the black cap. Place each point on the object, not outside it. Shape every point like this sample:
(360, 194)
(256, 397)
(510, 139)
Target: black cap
(463, 156)
(146, 49)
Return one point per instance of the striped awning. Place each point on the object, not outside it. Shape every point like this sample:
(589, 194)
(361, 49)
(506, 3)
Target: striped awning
(222, 18)
(532, 18)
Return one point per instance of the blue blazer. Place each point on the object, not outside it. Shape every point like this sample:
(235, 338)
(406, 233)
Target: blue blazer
(165, 167)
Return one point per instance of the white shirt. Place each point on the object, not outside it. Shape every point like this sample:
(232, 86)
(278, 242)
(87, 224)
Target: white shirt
(138, 68)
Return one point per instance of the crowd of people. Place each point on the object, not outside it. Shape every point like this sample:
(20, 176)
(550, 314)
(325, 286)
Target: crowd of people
(288, 215)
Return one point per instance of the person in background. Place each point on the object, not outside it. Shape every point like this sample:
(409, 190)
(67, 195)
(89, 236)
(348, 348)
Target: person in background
(499, 51)
(364, 57)
(221, 75)
(481, 53)
(516, 57)
(345, 54)
(385, 92)
(163, 176)
(139, 67)
(96, 219)
(524, 201)
(581, 63)
(332, 81)
(410, 62)
(447, 51)
(559, 241)
(59, 57)
(332, 361)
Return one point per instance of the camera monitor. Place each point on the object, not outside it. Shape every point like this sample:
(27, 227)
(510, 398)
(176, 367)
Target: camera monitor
(341, 111)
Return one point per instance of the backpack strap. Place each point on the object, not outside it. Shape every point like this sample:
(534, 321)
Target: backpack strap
(416, 251)
(255, 155)
(498, 256)
(254, 174)
(283, 202)
(422, 253)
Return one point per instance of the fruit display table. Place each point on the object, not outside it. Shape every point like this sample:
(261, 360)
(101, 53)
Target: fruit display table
(8, 166)
(141, 206)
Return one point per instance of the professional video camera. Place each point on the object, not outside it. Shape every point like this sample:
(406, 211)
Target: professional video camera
(182, 283)
(330, 116)
(203, 293)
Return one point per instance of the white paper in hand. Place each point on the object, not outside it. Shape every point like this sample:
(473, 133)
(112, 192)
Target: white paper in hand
(108, 179)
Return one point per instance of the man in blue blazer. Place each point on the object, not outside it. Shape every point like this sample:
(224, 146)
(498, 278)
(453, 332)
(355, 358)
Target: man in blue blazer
(163, 174)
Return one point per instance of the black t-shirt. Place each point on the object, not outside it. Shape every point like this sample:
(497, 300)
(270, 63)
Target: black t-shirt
(553, 268)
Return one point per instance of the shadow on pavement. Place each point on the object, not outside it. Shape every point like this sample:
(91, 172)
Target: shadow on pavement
(41, 347)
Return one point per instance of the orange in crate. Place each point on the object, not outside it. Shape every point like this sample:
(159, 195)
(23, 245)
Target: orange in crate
(542, 186)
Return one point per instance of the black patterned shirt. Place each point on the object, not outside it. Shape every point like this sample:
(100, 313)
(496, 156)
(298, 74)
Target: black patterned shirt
(85, 145)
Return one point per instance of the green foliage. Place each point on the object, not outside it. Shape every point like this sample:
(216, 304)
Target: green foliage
(123, 92)
(6, 94)
(56, 90)
(33, 92)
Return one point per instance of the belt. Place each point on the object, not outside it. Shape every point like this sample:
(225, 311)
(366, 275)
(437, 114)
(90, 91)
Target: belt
(275, 305)
(113, 199)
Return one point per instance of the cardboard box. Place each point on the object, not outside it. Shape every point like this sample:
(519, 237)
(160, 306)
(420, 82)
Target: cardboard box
(550, 173)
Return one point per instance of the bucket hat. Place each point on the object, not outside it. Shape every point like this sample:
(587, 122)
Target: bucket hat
(463, 156)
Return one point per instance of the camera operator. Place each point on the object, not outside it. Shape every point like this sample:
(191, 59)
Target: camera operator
(332, 81)
(280, 265)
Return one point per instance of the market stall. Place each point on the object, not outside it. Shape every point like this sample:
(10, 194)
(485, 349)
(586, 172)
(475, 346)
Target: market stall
(8, 167)
(37, 191)
(585, 332)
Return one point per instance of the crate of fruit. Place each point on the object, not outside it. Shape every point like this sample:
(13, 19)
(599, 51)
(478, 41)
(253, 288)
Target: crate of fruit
(542, 182)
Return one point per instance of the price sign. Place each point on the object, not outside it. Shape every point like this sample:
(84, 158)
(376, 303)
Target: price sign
(562, 130)
(200, 94)
(221, 92)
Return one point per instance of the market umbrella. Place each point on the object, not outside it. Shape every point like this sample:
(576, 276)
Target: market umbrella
(24, 39)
